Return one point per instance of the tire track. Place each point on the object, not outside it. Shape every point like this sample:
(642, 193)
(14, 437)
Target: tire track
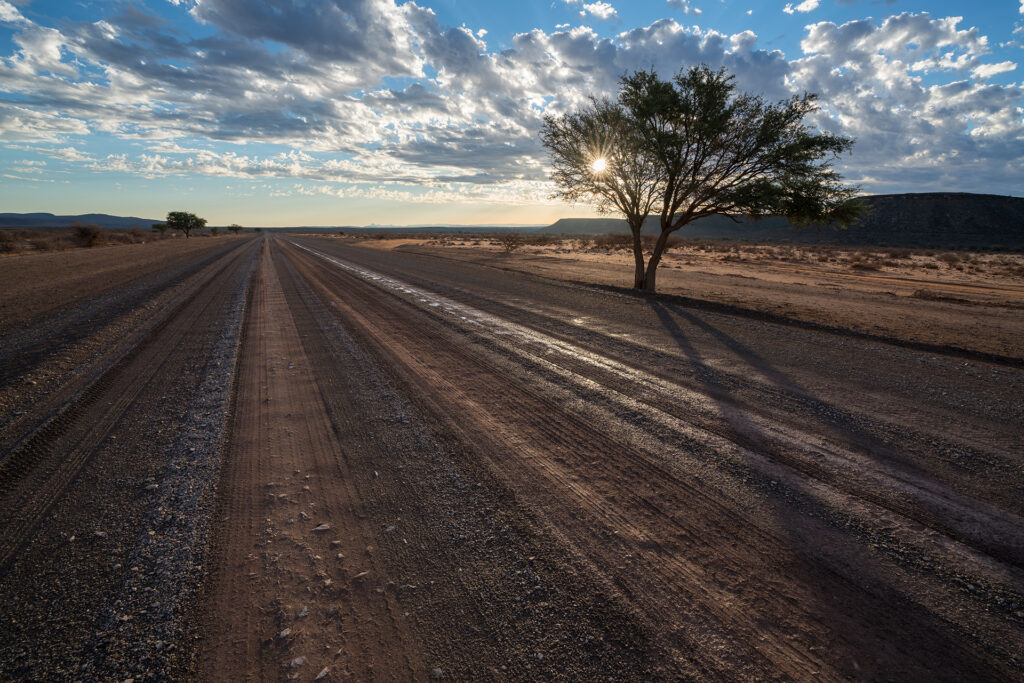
(438, 364)
(35, 474)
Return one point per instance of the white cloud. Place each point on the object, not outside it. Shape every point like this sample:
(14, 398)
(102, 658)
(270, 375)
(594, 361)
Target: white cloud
(601, 10)
(805, 6)
(989, 70)
(472, 127)
(959, 133)
(9, 14)
(685, 6)
(598, 9)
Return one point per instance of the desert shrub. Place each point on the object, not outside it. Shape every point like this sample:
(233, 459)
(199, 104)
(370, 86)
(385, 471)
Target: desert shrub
(90, 235)
(931, 266)
(44, 244)
(613, 241)
(510, 241)
(865, 265)
(137, 235)
(949, 258)
(8, 242)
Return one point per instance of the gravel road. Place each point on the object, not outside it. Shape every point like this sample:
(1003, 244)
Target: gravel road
(320, 461)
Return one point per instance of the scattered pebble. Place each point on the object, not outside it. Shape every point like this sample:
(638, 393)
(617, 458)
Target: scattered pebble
(297, 662)
(322, 528)
(152, 487)
(323, 674)
(304, 613)
(437, 673)
(285, 633)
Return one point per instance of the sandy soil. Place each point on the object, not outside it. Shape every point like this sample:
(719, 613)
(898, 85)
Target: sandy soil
(309, 460)
(34, 284)
(920, 298)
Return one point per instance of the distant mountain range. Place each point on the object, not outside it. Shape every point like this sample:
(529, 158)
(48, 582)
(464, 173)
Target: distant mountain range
(929, 220)
(38, 221)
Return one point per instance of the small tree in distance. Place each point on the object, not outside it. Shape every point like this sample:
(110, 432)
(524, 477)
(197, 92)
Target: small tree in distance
(185, 222)
(694, 147)
(235, 228)
(510, 241)
(160, 229)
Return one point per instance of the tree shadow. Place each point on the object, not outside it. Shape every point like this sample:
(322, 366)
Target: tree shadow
(878, 618)
(838, 423)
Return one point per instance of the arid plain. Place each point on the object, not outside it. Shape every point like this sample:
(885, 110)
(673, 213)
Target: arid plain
(288, 456)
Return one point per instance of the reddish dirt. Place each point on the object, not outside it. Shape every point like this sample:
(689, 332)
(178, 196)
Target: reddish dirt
(979, 311)
(34, 284)
(309, 460)
(285, 590)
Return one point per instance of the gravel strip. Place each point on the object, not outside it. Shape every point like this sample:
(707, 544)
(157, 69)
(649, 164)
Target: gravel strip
(146, 627)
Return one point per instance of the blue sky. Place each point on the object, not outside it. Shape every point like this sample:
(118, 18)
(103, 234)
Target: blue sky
(335, 112)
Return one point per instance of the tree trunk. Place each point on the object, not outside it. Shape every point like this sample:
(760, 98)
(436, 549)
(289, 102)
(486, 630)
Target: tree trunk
(652, 265)
(638, 257)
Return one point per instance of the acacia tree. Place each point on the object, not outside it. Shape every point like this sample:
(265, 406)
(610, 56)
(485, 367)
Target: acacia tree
(185, 222)
(235, 228)
(714, 151)
(597, 156)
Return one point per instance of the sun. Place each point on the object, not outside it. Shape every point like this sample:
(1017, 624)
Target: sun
(599, 164)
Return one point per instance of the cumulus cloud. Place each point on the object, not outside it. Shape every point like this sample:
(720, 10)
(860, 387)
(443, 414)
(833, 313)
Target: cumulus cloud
(408, 102)
(598, 9)
(805, 6)
(960, 133)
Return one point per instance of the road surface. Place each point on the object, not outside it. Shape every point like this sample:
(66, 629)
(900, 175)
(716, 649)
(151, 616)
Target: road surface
(313, 458)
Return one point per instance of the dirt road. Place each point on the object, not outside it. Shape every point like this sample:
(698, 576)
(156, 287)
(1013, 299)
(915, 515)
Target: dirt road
(427, 469)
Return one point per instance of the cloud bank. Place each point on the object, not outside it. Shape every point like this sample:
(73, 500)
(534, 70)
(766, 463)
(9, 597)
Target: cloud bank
(376, 98)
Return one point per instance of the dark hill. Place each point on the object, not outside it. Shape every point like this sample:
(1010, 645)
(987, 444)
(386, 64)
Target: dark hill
(37, 221)
(948, 220)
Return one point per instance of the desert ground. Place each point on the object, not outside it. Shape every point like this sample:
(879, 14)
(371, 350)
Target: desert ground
(287, 457)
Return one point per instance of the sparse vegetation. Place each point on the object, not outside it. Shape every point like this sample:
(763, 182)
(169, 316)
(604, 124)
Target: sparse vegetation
(90, 235)
(510, 241)
(182, 221)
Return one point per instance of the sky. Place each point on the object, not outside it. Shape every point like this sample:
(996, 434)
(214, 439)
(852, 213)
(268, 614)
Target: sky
(358, 112)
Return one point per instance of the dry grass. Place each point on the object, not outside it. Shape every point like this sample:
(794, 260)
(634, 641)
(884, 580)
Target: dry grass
(17, 241)
(697, 252)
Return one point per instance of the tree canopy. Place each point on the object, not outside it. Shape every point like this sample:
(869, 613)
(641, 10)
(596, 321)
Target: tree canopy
(185, 222)
(695, 147)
